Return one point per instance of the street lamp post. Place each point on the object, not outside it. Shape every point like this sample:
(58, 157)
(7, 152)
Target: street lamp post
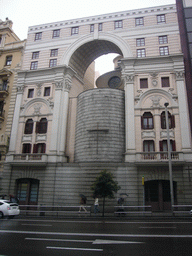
(169, 157)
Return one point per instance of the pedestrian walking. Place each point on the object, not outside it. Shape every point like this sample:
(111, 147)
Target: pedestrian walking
(96, 205)
(82, 203)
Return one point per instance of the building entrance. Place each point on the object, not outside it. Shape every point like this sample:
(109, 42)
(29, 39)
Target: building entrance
(157, 194)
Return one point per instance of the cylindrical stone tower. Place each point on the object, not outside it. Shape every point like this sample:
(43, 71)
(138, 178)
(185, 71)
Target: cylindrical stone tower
(100, 127)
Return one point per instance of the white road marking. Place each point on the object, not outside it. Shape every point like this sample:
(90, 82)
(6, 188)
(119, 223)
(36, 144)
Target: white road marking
(157, 227)
(99, 241)
(39, 225)
(58, 240)
(94, 234)
(75, 249)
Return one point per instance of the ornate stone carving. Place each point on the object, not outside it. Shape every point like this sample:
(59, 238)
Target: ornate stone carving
(37, 108)
(154, 79)
(51, 103)
(39, 85)
(20, 89)
(128, 78)
(68, 82)
(179, 75)
(58, 85)
(156, 101)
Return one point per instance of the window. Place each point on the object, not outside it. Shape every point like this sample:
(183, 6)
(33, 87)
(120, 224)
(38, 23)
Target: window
(5, 85)
(165, 82)
(139, 21)
(54, 52)
(164, 50)
(53, 63)
(41, 127)
(26, 148)
(148, 146)
(56, 33)
(8, 60)
(35, 55)
(29, 126)
(143, 83)
(163, 40)
(171, 120)
(47, 91)
(147, 121)
(161, 18)
(141, 53)
(39, 148)
(34, 65)
(118, 24)
(140, 42)
(100, 26)
(38, 36)
(74, 30)
(30, 93)
(92, 28)
(1, 108)
(164, 148)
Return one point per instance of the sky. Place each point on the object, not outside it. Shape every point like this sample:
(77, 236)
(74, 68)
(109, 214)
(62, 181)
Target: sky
(26, 13)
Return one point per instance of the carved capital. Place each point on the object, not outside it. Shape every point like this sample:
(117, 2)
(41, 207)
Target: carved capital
(20, 89)
(58, 85)
(128, 78)
(68, 83)
(179, 75)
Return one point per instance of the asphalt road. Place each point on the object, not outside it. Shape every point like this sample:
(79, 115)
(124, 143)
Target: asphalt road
(95, 237)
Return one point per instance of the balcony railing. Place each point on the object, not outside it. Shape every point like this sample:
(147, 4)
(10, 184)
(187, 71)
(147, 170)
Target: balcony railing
(23, 159)
(159, 156)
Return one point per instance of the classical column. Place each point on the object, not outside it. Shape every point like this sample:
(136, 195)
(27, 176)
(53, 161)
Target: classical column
(129, 117)
(183, 112)
(15, 124)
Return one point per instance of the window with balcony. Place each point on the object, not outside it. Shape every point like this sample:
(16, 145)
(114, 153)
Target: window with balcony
(8, 61)
(74, 30)
(29, 126)
(30, 93)
(141, 53)
(161, 18)
(39, 148)
(165, 82)
(26, 148)
(5, 85)
(41, 126)
(143, 83)
(147, 121)
(54, 53)
(139, 21)
(148, 146)
(171, 120)
(118, 24)
(56, 33)
(163, 146)
(140, 42)
(38, 36)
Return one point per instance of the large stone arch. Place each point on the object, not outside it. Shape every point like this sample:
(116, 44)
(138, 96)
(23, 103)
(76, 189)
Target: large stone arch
(85, 50)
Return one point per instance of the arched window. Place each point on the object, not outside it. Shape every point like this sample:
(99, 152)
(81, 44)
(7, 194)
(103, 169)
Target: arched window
(147, 121)
(171, 120)
(41, 127)
(29, 126)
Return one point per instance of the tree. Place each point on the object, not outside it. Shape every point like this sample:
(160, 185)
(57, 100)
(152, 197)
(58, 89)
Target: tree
(104, 187)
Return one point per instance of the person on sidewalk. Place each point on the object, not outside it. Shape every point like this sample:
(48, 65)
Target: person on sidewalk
(82, 203)
(96, 205)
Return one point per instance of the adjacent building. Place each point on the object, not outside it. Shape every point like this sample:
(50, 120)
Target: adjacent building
(65, 131)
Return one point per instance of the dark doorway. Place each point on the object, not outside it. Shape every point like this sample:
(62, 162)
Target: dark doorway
(157, 194)
(27, 191)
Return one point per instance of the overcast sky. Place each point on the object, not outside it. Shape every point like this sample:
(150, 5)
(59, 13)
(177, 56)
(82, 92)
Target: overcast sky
(25, 13)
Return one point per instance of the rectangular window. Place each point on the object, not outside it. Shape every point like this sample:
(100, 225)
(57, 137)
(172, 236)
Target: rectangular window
(92, 28)
(1, 108)
(164, 50)
(140, 42)
(8, 60)
(47, 91)
(56, 33)
(161, 18)
(139, 21)
(141, 53)
(118, 24)
(53, 63)
(54, 52)
(74, 30)
(163, 40)
(30, 93)
(5, 85)
(165, 82)
(100, 26)
(35, 55)
(143, 83)
(38, 36)
(34, 65)
(26, 148)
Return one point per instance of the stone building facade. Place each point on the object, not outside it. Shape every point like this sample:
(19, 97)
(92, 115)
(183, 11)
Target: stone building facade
(65, 132)
(11, 52)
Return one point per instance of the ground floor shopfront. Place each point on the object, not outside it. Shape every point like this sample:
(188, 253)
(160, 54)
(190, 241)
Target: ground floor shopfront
(61, 185)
